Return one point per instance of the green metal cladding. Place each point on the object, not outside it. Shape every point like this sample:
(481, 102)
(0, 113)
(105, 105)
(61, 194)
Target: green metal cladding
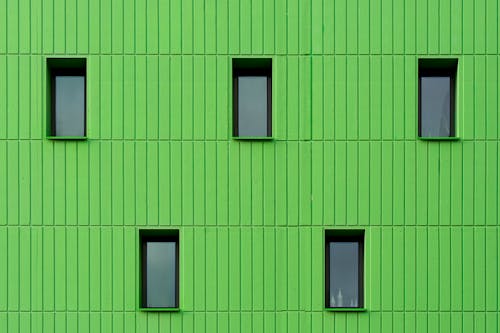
(251, 214)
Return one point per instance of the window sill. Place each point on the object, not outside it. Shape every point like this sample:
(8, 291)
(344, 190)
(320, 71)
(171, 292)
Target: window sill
(253, 138)
(66, 137)
(160, 309)
(439, 138)
(345, 309)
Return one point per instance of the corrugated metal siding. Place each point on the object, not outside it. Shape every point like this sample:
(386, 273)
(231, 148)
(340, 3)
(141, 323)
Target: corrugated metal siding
(251, 214)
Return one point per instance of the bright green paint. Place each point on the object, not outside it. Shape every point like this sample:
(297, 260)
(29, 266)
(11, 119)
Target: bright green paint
(159, 153)
(345, 309)
(67, 137)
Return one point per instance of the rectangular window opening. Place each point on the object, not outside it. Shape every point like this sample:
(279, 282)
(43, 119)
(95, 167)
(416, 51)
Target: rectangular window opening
(159, 268)
(252, 98)
(67, 97)
(344, 253)
(436, 97)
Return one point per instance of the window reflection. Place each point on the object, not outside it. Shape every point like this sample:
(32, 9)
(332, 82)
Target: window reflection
(70, 105)
(252, 105)
(344, 274)
(435, 106)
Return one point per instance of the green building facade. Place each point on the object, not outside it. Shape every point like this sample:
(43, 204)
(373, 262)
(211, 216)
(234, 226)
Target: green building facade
(159, 153)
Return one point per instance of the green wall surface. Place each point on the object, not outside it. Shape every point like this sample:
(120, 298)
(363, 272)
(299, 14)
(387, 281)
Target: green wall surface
(251, 214)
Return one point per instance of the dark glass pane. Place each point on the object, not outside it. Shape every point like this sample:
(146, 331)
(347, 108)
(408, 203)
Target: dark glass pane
(161, 275)
(70, 106)
(252, 106)
(435, 106)
(344, 259)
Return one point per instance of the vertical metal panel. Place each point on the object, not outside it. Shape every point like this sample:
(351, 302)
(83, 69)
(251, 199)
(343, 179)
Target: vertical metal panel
(251, 214)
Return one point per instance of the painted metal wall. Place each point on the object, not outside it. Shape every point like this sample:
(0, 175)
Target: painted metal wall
(251, 214)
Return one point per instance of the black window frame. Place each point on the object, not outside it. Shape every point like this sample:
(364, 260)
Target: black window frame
(438, 68)
(146, 236)
(345, 236)
(252, 67)
(65, 67)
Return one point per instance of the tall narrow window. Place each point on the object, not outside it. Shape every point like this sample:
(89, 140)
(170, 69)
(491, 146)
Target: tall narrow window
(159, 269)
(344, 269)
(436, 82)
(252, 98)
(67, 98)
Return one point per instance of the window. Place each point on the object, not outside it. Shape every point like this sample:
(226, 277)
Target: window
(252, 98)
(436, 94)
(67, 98)
(159, 269)
(344, 268)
